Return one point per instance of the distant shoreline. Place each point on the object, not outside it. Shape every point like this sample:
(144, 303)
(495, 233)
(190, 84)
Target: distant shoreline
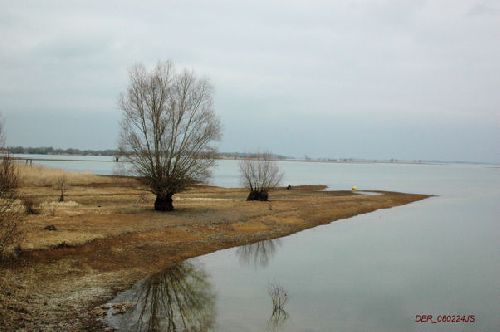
(320, 160)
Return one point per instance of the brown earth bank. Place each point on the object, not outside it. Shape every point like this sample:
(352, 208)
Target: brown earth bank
(78, 254)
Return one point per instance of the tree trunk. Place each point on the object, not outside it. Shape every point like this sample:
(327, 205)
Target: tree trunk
(258, 195)
(163, 202)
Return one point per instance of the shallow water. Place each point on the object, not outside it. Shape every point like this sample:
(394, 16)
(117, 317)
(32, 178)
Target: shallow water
(372, 272)
(103, 165)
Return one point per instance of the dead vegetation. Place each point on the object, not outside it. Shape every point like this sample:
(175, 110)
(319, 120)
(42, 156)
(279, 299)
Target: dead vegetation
(10, 209)
(279, 298)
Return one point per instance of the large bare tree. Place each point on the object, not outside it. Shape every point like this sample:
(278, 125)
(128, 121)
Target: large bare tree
(168, 127)
(259, 174)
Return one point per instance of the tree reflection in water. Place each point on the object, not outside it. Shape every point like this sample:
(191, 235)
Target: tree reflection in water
(177, 299)
(258, 254)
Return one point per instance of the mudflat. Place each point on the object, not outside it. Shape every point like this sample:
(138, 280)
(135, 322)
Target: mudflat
(105, 236)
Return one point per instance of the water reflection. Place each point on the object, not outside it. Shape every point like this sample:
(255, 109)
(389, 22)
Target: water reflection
(279, 297)
(258, 254)
(177, 299)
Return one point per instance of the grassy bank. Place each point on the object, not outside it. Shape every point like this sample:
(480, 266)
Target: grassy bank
(105, 236)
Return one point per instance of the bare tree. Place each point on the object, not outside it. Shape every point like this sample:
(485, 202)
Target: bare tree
(168, 126)
(62, 186)
(259, 175)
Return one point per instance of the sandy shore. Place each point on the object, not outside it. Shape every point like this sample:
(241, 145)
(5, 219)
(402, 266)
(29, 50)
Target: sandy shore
(107, 237)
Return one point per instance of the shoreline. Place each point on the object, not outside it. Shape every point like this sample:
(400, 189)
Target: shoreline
(108, 239)
(24, 157)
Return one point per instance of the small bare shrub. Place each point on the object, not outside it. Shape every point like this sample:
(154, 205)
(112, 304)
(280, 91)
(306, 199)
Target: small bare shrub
(259, 175)
(8, 176)
(30, 205)
(279, 298)
(10, 232)
(62, 186)
(10, 218)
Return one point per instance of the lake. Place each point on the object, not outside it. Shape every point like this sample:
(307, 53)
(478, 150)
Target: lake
(372, 272)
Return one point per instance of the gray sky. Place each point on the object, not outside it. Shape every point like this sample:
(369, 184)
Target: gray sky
(368, 79)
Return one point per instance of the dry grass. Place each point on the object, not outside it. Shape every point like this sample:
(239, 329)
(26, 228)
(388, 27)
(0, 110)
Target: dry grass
(14, 291)
(40, 176)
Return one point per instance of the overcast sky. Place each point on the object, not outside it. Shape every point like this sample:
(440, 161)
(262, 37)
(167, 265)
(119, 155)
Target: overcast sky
(367, 79)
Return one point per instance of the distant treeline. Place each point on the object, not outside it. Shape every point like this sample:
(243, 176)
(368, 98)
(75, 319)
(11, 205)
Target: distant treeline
(242, 155)
(49, 150)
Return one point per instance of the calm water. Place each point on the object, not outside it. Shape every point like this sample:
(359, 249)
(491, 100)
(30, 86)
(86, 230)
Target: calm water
(95, 164)
(373, 272)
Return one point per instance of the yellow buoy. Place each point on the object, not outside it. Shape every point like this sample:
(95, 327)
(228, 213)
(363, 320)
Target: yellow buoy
(354, 188)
